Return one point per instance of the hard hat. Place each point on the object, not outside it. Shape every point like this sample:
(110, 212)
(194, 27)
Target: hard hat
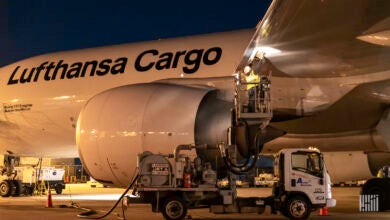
(247, 69)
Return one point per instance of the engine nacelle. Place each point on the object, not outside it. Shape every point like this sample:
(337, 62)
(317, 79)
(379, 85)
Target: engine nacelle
(118, 124)
(354, 165)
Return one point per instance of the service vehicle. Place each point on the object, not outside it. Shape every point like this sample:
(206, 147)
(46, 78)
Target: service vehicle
(172, 184)
(23, 180)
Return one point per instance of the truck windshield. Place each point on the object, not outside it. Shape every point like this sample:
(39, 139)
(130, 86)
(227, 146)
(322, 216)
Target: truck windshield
(308, 162)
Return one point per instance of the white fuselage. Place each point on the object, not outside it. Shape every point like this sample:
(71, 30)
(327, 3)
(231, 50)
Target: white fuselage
(330, 88)
(42, 96)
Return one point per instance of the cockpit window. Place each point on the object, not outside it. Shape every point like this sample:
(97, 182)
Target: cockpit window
(307, 162)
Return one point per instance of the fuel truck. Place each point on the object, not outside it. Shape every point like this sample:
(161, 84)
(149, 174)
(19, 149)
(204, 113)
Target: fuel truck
(172, 184)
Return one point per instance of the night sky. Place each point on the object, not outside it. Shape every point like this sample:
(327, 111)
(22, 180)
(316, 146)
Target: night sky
(33, 27)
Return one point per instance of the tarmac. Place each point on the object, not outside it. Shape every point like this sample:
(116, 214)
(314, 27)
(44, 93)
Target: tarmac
(102, 199)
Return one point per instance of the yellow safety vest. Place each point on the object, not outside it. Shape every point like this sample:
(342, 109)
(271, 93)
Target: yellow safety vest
(380, 174)
(252, 79)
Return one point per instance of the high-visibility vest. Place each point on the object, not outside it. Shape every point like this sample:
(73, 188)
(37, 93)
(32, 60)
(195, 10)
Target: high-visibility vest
(252, 79)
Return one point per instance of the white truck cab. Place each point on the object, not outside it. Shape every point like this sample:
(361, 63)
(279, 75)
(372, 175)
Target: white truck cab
(303, 182)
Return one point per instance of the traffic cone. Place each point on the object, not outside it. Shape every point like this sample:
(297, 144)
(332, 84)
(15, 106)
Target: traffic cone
(49, 202)
(324, 211)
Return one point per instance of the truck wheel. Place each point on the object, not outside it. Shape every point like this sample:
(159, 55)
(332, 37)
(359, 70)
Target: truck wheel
(58, 190)
(6, 188)
(28, 190)
(297, 207)
(174, 209)
(18, 187)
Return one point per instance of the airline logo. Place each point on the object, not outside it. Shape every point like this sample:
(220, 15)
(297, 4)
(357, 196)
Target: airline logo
(60, 70)
(192, 59)
(189, 61)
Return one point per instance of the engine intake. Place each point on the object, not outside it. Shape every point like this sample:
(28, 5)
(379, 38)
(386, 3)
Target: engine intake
(118, 124)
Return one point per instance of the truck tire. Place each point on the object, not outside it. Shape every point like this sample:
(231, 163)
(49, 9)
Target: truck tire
(297, 207)
(174, 208)
(28, 190)
(6, 188)
(58, 190)
(18, 187)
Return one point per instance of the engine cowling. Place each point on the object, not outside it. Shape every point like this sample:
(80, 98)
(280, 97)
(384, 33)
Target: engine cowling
(354, 165)
(118, 124)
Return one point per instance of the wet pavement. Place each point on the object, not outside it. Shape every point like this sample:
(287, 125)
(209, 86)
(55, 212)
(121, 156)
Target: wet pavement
(102, 199)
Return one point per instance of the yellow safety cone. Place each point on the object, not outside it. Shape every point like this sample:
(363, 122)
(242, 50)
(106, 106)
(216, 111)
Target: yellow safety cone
(49, 202)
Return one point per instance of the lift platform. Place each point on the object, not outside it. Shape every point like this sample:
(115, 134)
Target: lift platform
(253, 92)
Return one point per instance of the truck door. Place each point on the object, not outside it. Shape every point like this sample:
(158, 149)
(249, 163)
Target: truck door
(306, 174)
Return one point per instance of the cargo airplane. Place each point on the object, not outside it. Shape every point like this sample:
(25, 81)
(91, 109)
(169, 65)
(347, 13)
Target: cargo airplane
(330, 88)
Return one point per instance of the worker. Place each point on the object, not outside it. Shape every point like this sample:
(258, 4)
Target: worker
(252, 80)
(384, 172)
(265, 84)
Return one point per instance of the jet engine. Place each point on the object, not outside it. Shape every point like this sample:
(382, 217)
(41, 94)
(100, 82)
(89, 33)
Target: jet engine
(118, 124)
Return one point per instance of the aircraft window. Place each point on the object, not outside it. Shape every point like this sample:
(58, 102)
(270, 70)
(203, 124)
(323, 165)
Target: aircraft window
(307, 162)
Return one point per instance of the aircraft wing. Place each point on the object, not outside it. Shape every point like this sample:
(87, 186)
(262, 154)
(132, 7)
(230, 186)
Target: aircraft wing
(326, 38)
(330, 72)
